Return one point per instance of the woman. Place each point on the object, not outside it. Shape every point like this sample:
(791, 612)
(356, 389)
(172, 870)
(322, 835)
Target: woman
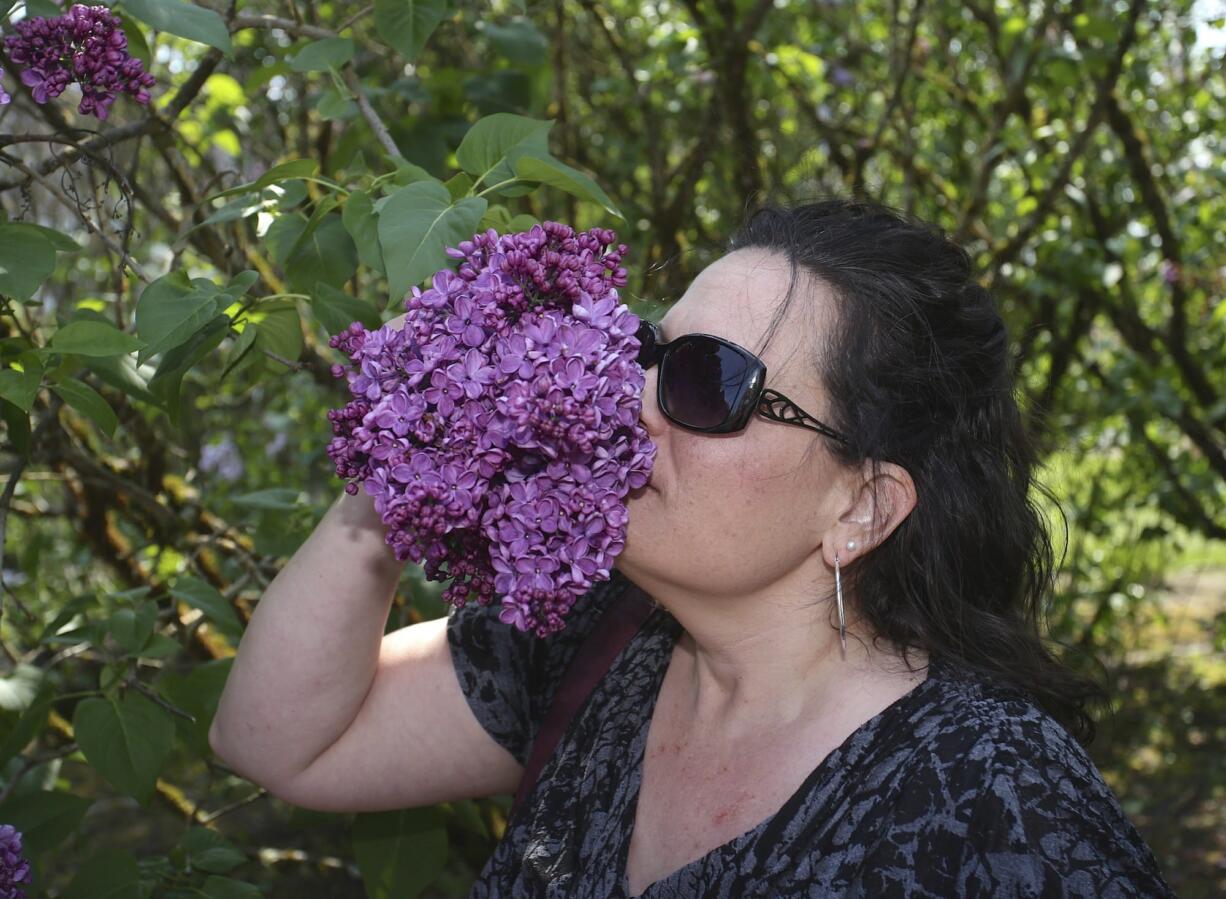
(841, 690)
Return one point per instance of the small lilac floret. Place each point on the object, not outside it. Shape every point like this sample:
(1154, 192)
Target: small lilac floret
(498, 430)
(87, 45)
(14, 867)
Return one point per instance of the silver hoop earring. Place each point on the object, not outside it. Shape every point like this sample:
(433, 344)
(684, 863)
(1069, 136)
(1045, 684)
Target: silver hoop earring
(838, 590)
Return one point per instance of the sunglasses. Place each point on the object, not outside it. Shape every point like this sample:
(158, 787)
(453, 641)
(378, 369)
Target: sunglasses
(711, 385)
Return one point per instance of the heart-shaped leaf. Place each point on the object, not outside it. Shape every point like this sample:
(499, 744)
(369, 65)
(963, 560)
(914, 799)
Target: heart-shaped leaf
(416, 225)
(127, 740)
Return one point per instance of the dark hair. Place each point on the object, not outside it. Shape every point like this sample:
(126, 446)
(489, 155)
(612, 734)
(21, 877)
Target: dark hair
(918, 371)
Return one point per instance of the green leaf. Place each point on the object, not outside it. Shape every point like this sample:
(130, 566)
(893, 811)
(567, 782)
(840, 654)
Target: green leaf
(109, 874)
(216, 887)
(90, 337)
(519, 40)
(493, 138)
(46, 818)
(238, 351)
(204, 596)
(334, 106)
(18, 423)
(285, 171)
(399, 852)
(278, 329)
(160, 646)
(207, 850)
(459, 185)
(61, 241)
(326, 205)
(121, 372)
(336, 310)
(20, 387)
(555, 173)
(282, 498)
(406, 25)
(328, 255)
(137, 45)
(521, 222)
(196, 23)
(358, 217)
(17, 690)
(495, 217)
(167, 381)
(197, 692)
(321, 55)
(170, 311)
(26, 715)
(126, 740)
(89, 403)
(132, 627)
(75, 606)
(27, 259)
(406, 173)
(415, 226)
(241, 283)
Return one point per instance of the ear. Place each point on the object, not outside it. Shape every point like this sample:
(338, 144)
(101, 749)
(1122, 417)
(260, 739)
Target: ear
(880, 503)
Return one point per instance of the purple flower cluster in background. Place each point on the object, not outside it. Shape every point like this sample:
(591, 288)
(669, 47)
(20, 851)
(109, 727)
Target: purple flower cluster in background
(86, 45)
(498, 431)
(14, 869)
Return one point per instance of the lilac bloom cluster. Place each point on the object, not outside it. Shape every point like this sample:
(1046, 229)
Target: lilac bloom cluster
(14, 869)
(86, 45)
(498, 430)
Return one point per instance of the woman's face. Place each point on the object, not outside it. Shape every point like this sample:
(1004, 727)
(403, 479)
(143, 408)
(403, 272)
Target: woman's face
(734, 513)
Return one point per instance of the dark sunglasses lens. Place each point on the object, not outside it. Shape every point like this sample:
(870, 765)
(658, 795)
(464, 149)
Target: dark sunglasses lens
(702, 381)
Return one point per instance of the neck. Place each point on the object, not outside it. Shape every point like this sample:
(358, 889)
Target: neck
(771, 659)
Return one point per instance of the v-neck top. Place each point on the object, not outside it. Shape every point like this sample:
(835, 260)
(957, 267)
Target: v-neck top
(961, 787)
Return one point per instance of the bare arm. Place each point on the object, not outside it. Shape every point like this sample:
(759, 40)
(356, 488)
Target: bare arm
(308, 656)
(325, 711)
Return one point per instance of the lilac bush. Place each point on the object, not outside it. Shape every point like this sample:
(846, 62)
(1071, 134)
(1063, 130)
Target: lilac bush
(14, 869)
(86, 45)
(498, 430)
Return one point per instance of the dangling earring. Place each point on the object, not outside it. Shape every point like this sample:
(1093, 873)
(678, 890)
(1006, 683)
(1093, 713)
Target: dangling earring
(842, 623)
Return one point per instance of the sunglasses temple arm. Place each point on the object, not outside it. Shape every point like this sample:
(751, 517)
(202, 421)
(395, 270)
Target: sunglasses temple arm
(776, 406)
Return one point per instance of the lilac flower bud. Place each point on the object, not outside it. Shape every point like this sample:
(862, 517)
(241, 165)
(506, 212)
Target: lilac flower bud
(86, 45)
(498, 430)
(14, 869)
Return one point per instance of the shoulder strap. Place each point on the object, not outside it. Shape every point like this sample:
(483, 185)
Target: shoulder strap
(619, 622)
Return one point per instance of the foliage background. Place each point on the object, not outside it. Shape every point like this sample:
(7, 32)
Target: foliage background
(1073, 146)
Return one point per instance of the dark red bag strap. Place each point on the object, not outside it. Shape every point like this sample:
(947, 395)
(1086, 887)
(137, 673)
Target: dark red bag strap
(616, 626)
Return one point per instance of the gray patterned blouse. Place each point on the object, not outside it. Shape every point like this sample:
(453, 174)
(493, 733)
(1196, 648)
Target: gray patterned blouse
(959, 788)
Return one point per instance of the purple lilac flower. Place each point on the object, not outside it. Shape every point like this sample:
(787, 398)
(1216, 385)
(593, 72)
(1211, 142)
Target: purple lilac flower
(222, 458)
(14, 869)
(498, 430)
(86, 45)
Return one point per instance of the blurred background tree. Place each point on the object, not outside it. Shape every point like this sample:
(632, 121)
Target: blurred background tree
(1074, 148)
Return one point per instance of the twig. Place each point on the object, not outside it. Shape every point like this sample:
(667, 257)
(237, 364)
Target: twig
(133, 681)
(382, 135)
(59, 195)
(226, 809)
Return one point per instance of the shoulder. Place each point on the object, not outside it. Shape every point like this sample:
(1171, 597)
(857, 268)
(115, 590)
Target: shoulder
(1009, 792)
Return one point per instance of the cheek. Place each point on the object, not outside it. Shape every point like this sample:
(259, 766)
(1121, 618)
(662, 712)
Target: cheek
(744, 490)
